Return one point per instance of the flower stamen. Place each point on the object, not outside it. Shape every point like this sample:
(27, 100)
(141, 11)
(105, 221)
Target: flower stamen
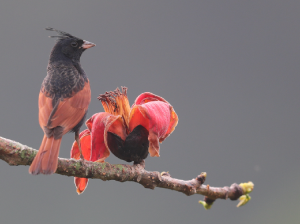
(117, 103)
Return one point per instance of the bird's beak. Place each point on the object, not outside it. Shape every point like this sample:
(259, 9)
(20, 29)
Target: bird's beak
(87, 44)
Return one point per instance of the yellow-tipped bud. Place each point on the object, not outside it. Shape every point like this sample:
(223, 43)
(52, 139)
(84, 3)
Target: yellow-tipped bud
(247, 187)
(244, 199)
(205, 205)
(203, 174)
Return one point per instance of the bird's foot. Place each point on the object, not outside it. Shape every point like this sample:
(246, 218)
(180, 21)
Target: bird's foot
(83, 161)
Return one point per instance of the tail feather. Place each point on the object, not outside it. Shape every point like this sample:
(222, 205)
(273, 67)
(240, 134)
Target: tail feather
(46, 159)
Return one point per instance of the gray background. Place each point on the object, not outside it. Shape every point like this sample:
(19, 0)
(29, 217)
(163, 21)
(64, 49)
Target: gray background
(229, 68)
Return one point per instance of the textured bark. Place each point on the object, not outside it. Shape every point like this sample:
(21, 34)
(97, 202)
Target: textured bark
(15, 154)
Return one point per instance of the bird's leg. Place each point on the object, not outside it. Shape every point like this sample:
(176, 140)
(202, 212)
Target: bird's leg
(79, 146)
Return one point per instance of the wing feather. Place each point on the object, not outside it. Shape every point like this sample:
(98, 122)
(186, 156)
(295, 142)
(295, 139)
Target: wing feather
(67, 113)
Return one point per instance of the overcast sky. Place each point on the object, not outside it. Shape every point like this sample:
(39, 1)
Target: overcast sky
(229, 68)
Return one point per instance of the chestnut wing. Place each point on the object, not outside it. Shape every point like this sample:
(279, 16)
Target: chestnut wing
(67, 113)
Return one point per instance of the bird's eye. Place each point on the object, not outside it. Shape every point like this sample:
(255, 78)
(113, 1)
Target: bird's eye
(74, 44)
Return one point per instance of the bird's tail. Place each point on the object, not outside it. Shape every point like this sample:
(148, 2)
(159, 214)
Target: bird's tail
(46, 159)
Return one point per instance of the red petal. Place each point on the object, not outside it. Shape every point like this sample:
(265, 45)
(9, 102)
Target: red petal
(81, 184)
(147, 97)
(101, 124)
(85, 142)
(89, 122)
(155, 114)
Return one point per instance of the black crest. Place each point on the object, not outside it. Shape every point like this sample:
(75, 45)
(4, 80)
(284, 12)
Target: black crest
(62, 34)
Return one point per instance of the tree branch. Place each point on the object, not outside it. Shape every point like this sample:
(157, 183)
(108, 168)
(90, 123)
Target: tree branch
(15, 154)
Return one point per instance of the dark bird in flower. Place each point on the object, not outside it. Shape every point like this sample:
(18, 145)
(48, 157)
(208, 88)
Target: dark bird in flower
(130, 133)
(63, 100)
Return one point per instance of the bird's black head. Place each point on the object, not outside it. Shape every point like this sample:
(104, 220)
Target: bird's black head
(68, 46)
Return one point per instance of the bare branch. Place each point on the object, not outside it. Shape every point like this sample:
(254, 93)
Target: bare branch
(15, 154)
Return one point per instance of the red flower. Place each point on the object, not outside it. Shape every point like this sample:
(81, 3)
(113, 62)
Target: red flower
(129, 133)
